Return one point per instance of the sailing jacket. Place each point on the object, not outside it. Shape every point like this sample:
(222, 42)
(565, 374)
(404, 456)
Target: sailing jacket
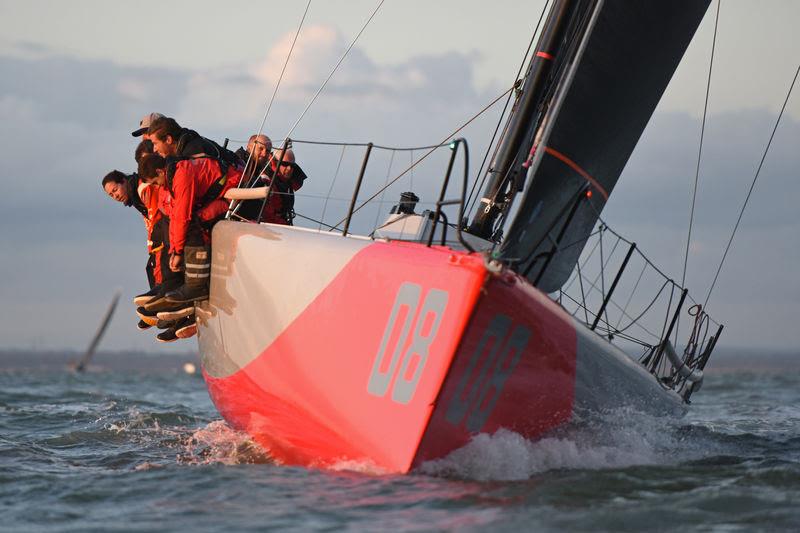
(150, 196)
(280, 207)
(132, 188)
(146, 199)
(190, 143)
(189, 184)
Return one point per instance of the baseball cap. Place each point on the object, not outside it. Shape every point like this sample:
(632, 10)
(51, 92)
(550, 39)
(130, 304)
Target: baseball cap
(145, 123)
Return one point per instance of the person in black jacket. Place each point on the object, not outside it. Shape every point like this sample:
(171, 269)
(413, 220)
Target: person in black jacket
(170, 140)
(123, 188)
(284, 180)
(257, 158)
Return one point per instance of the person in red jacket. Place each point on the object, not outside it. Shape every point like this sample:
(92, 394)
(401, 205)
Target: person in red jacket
(144, 124)
(197, 186)
(283, 182)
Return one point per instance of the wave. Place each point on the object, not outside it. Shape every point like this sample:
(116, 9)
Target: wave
(615, 439)
(219, 443)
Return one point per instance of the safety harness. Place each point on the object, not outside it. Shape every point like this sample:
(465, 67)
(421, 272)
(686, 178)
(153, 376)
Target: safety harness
(215, 189)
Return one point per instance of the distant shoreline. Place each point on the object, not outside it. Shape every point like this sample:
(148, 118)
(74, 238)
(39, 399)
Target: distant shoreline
(723, 361)
(11, 359)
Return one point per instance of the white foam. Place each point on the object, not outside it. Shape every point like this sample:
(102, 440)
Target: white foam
(362, 467)
(219, 443)
(613, 440)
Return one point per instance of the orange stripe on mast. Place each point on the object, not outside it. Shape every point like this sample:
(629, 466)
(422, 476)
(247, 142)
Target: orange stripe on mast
(574, 166)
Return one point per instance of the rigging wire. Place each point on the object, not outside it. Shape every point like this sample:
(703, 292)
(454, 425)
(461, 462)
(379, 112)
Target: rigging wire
(374, 146)
(283, 70)
(315, 221)
(314, 98)
(411, 177)
(280, 79)
(429, 152)
(700, 148)
(752, 185)
(468, 205)
(380, 202)
(633, 291)
(333, 182)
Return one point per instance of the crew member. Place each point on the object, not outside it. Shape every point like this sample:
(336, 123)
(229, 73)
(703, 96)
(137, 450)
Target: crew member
(197, 186)
(145, 147)
(259, 148)
(284, 177)
(257, 156)
(128, 190)
(170, 140)
(144, 124)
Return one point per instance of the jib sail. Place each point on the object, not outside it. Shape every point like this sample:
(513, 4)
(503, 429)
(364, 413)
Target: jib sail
(606, 89)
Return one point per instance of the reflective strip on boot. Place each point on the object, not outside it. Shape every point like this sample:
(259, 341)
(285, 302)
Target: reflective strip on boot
(197, 264)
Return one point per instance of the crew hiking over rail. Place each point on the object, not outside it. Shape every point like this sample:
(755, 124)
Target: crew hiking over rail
(180, 189)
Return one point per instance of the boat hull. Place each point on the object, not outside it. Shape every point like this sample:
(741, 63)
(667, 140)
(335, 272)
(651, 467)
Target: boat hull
(334, 350)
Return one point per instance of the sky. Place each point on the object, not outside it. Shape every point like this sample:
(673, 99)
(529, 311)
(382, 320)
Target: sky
(76, 77)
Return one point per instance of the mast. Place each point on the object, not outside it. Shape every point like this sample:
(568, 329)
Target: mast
(614, 60)
(506, 168)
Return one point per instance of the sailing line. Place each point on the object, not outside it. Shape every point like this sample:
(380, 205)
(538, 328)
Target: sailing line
(752, 185)
(429, 152)
(314, 98)
(283, 70)
(278, 84)
(574, 166)
(470, 202)
(700, 148)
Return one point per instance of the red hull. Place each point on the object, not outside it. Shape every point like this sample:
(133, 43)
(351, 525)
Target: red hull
(403, 355)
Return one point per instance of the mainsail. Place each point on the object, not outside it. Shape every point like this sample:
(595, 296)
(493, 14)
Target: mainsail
(606, 89)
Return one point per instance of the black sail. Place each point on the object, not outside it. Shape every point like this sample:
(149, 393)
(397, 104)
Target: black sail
(629, 54)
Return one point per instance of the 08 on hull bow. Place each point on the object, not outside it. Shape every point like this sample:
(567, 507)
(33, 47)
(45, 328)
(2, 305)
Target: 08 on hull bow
(330, 349)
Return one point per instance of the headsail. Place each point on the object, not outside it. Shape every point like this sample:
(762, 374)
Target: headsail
(602, 102)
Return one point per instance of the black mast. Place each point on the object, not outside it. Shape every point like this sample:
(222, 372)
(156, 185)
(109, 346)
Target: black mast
(507, 165)
(615, 64)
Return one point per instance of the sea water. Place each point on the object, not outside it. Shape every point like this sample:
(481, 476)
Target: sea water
(136, 445)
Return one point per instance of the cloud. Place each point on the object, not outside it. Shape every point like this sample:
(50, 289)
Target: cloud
(661, 172)
(424, 93)
(66, 245)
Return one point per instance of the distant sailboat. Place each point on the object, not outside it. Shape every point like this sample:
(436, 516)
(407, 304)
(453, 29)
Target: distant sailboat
(84, 361)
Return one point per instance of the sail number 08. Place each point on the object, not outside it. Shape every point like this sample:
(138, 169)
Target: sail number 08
(496, 354)
(408, 299)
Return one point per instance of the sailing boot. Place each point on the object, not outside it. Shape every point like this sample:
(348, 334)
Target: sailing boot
(165, 324)
(175, 315)
(186, 327)
(197, 275)
(161, 304)
(141, 299)
(146, 316)
(143, 325)
(156, 294)
(168, 335)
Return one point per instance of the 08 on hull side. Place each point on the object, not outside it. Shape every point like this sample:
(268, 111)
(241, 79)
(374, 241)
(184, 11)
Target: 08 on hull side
(331, 350)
